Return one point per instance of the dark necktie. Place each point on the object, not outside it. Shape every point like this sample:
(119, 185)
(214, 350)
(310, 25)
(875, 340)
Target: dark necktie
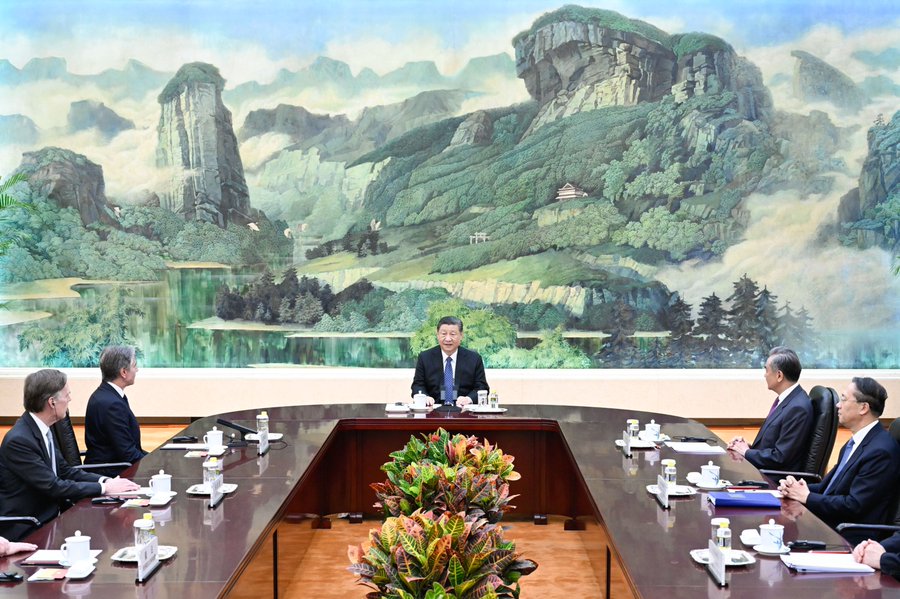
(448, 381)
(840, 468)
(774, 405)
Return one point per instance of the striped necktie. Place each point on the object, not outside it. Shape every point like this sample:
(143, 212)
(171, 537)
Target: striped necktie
(51, 451)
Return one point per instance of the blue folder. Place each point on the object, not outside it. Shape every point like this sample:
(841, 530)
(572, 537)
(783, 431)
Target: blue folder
(744, 499)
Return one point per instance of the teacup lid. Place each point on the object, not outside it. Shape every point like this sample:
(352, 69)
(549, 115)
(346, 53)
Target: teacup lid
(161, 471)
(215, 429)
(771, 522)
(710, 463)
(652, 421)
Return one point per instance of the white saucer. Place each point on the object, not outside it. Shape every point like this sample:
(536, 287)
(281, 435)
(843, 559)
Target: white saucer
(735, 557)
(642, 435)
(78, 574)
(272, 436)
(759, 549)
(199, 489)
(477, 409)
(164, 498)
(126, 554)
(424, 409)
(396, 408)
(66, 564)
(695, 477)
(674, 491)
(637, 444)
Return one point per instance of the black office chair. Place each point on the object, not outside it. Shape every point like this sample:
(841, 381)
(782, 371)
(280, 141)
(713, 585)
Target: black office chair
(892, 525)
(64, 435)
(7, 532)
(821, 441)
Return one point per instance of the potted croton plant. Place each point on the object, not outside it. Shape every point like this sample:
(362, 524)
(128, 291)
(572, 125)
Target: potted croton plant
(442, 500)
(444, 473)
(451, 556)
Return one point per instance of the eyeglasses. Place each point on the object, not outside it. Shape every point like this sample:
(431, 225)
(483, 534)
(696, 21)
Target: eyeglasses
(845, 399)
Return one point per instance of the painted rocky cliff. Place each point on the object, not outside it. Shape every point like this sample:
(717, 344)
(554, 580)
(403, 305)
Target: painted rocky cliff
(71, 181)
(196, 141)
(573, 60)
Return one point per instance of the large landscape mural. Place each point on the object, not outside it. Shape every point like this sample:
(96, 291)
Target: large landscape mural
(608, 185)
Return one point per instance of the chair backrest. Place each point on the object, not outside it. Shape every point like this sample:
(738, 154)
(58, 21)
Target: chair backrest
(824, 429)
(894, 430)
(66, 441)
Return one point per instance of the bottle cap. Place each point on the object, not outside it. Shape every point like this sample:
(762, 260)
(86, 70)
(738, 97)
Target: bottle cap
(264, 413)
(148, 516)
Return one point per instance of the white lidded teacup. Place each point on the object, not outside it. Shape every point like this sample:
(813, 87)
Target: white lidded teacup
(161, 484)
(709, 475)
(77, 549)
(213, 440)
(771, 537)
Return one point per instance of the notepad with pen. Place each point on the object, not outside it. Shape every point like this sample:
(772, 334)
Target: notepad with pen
(744, 499)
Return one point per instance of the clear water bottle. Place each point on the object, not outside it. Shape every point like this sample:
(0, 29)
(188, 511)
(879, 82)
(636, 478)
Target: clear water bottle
(723, 537)
(211, 469)
(262, 423)
(144, 530)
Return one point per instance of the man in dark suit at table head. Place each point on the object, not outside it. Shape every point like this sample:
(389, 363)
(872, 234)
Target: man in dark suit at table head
(782, 442)
(446, 362)
(111, 431)
(35, 480)
(862, 487)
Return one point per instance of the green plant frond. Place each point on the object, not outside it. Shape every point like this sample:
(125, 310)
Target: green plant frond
(455, 526)
(10, 181)
(457, 573)
(412, 545)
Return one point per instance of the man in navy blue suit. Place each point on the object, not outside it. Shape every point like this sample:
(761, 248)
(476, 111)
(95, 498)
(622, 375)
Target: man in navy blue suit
(862, 486)
(782, 442)
(884, 556)
(35, 480)
(446, 362)
(111, 431)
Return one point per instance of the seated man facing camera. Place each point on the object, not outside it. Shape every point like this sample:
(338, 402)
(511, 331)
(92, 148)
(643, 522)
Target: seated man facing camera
(35, 479)
(447, 365)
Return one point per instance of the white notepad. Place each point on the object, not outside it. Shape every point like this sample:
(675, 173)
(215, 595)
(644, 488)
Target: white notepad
(824, 562)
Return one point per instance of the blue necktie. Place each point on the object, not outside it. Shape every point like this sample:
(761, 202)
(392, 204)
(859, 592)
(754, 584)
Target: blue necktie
(448, 382)
(843, 463)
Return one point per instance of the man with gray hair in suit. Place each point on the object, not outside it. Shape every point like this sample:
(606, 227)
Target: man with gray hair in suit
(782, 442)
(111, 431)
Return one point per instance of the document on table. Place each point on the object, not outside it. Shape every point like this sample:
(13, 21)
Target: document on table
(824, 562)
(685, 447)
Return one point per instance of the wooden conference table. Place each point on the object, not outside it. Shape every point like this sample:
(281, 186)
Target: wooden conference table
(331, 453)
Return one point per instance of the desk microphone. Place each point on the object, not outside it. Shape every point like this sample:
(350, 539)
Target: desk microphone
(239, 428)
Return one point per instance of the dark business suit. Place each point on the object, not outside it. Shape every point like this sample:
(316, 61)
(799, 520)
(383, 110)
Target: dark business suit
(111, 432)
(28, 486)
(783, 440)
(865, 488)
(469, 377)
(890, 560)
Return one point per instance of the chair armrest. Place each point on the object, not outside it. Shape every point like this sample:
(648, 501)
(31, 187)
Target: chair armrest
(108, 465)
(809, 477)
(34, 521)
(854, 526)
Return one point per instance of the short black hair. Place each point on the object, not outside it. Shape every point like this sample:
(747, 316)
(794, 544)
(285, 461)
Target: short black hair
(870, 391)
(787, 361)
(450, 320)
(41, 386)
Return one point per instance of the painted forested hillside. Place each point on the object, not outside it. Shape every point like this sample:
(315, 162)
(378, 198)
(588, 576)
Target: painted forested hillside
(603, 191)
